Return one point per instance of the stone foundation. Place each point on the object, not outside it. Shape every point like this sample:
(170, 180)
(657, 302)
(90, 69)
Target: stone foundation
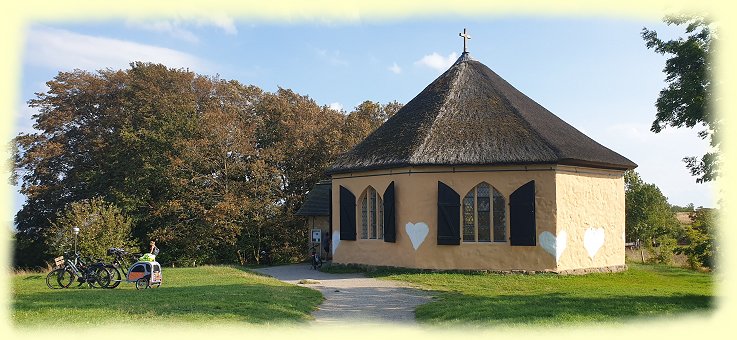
(580, 271)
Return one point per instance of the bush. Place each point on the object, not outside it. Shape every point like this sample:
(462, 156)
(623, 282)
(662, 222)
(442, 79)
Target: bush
(648, 216)
(663, 252)
(101, 225)
(701, 249)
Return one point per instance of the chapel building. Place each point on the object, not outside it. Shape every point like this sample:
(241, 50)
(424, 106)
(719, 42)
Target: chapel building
(472, 174)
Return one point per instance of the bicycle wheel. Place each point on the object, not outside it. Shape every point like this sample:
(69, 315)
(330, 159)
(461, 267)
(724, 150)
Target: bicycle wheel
(64, 278)
(115, 276)
(141, 283)
(100, 277)
(52, 279)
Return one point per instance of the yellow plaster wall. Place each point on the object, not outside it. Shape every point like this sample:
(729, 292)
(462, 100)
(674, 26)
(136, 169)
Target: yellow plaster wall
(590, 198)
(416, 201)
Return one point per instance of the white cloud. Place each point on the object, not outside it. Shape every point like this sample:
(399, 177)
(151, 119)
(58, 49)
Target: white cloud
(223, 22)
(336, 106)
(176, 28)
(395, 68)
(332, 57)
(172, 28)
(61, 49)
(437, 62)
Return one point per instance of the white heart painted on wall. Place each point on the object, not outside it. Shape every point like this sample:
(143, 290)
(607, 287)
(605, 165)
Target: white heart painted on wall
(417, 233)
(593, 239)
(336, 240)
(554, 245)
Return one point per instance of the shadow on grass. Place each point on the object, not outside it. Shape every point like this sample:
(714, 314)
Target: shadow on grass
(254, 303)
(555, 308)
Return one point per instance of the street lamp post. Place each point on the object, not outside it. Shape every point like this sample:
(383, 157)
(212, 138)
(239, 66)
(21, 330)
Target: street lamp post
(76, 233)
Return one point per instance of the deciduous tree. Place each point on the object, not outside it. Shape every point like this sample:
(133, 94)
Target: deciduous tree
(687, 100)
(214, 170)
(101, 226)
(702, 248)
(648, 216)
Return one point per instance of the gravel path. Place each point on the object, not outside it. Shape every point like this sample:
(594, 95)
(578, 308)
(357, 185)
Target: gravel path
(354, 298)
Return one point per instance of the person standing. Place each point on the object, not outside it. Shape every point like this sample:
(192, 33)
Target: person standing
(154, 250)
(326, 244)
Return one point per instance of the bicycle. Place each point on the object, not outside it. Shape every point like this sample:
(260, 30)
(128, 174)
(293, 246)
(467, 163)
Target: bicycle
(94, 274)
(315, 259)
(102, 275)
(119, 265)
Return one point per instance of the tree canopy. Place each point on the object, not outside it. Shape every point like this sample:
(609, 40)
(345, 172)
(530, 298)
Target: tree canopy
(702, 247)
(648, 215)
(687, 100)
(211, 168)
(101, 226)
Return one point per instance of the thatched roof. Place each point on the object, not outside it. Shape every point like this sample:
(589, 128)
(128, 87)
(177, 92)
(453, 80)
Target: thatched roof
(471, 116)
(317, 202)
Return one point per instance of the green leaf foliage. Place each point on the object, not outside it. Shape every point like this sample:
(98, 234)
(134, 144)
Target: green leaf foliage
(687, 100)
(648, 217)
(101, 226)
(702, 248)
(211, 169)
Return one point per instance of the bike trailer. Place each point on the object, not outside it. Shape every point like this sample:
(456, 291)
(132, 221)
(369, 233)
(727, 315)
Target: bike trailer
(145, 274)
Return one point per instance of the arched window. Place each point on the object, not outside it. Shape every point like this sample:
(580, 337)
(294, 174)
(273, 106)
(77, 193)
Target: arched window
(372, 215)
(484, 208)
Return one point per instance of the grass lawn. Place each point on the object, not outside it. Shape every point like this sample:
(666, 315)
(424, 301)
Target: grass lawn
(210, 294)
(549, 299)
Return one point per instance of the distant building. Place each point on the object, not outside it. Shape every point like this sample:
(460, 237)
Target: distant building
(316, 208)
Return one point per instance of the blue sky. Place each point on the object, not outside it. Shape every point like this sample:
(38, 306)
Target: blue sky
(595, 73)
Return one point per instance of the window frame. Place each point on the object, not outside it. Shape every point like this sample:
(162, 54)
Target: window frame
(474, 195)
(371, 216)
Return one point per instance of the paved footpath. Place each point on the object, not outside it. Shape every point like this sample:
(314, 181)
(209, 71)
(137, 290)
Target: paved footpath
(354, 298)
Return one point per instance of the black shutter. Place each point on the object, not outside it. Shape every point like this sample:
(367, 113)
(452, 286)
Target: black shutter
(347, 215)
(390, 219)
(522, 216)
(449, 215)
(330, 211)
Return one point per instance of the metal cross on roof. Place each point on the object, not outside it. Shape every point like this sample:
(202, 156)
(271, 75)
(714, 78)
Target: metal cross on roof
(465, 36)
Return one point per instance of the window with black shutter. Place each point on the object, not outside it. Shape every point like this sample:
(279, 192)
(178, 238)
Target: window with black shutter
(347, 215)
(449, 213)
(390, 221)
(522, 216)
